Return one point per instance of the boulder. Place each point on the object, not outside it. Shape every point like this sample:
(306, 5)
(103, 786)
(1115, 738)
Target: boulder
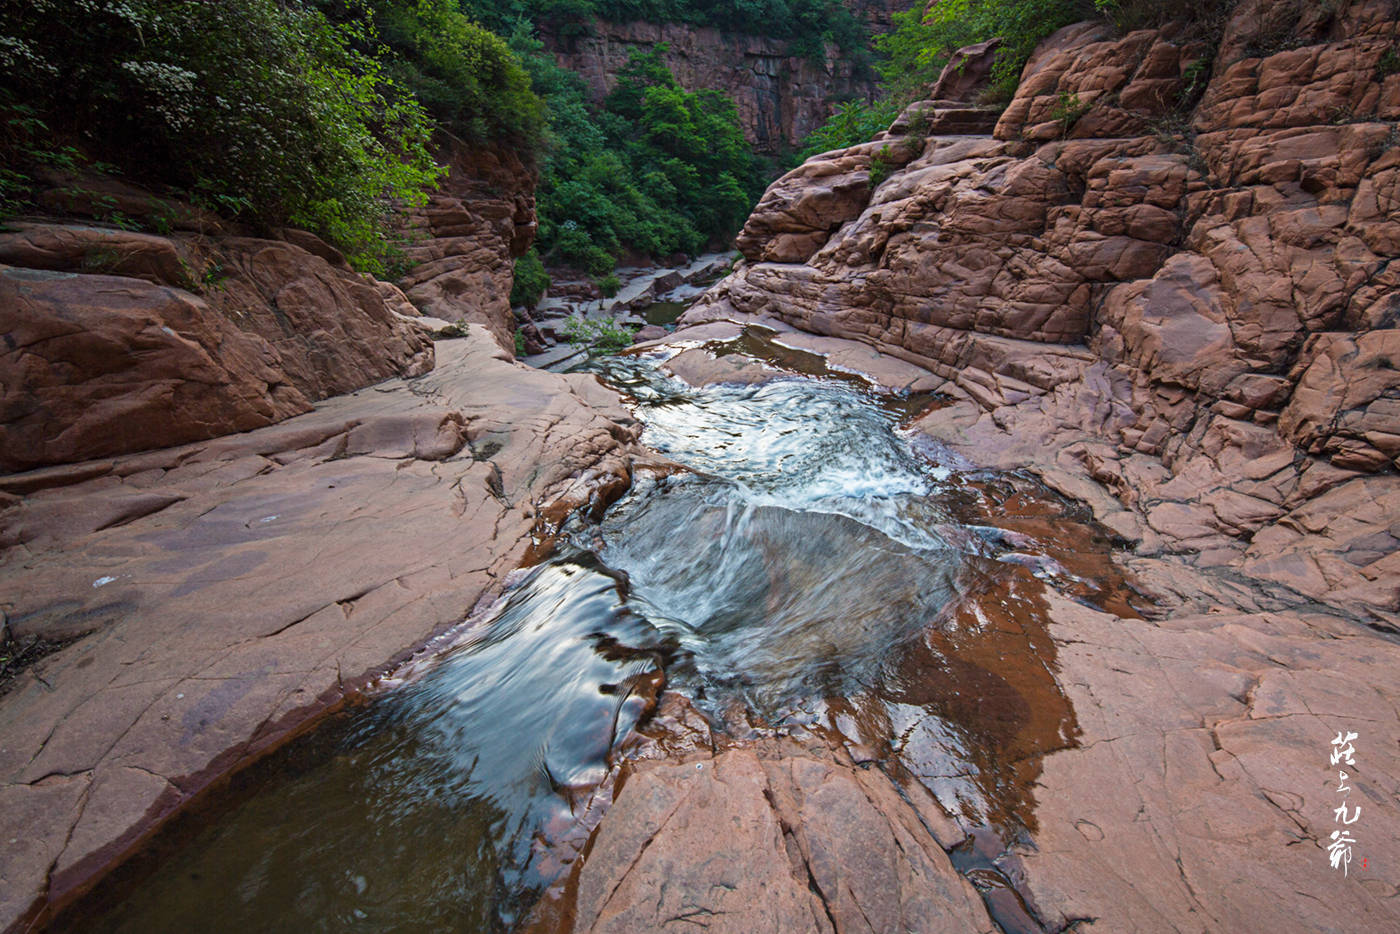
(967, 73)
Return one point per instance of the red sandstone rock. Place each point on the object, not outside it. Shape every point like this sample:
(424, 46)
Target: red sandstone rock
(966, 74)
(131, 341)
(1347, 402)
(99, 365)
(232, 591)
(806, 842)
(467, 237)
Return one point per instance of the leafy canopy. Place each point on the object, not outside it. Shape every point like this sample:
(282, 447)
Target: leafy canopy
(656, 170)
(285, 112)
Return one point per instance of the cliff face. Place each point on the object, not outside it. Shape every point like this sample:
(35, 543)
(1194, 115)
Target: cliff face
(1167, 292)
(463, 242)
(878, 14)
(780, 98)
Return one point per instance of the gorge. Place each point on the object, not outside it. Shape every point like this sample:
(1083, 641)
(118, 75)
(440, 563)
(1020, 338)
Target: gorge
(1000, 545)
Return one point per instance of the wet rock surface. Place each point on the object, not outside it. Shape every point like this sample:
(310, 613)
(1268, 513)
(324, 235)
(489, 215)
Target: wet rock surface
(229, 593)
(1188, 337)
(775, 836)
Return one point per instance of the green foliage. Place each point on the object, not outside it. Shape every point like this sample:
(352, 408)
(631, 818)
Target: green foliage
(256, 100)
(531, 281)
(880, 165)
(519, 343)
(604, 335)
(1388, 64)
(924, 38)
(658, 170)
(1127, 15)
(609, 285)
(920, 45)
(851, 123)
(1067, 111)
(466, 76)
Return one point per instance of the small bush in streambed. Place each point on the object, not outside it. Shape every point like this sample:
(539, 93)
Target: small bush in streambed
(605, 335)
(609, 285)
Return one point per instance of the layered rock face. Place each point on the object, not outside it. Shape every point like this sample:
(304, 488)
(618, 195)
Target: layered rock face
(780, 97)
(1199, 294)
(119, 341)
(463, 242)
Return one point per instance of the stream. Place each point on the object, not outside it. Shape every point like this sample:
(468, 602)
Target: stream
(819, 569)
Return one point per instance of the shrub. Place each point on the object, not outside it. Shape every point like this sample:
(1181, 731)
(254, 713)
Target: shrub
(916, 51)
(605, 335)
(609, 285)
(880, 166)
(1067, 111)
(1388, 64)
(850, 123)
(466, 76)
(1128, 15)
(243, 99)
(531, 281)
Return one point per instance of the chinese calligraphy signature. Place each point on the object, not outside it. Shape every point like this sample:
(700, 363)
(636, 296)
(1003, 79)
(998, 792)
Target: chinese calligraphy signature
(1339, 851)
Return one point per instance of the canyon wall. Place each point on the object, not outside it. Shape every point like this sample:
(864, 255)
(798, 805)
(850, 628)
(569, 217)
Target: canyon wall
(781, 98)
(463, 242)
(1171, 270)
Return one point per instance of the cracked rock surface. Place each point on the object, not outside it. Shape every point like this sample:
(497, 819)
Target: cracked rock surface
(224, 595)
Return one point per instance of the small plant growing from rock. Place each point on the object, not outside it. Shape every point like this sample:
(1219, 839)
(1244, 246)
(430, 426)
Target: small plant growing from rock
(213, 276)
(880, 165)
(1388, 64)
(921, 120)
(1067, 111)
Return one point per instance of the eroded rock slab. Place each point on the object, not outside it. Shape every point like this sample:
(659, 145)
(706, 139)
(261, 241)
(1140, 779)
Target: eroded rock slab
(228, 593)
(776, 837)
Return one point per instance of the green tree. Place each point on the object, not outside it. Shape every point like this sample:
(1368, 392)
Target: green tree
(252, 104)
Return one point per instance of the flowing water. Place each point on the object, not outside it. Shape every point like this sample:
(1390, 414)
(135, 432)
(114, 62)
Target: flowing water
(816, 568)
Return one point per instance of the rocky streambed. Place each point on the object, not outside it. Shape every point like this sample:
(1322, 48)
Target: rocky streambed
(646, 303)
(1010, 544)
(816, 670)
(814, 585)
